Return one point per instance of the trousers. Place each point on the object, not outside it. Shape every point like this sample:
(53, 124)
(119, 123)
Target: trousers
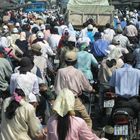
(81, 111)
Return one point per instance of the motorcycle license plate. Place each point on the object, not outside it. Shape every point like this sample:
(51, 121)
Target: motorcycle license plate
(108, 103)
(121, 130)
(56, 61)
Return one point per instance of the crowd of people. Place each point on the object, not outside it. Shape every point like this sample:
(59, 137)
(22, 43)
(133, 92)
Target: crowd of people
(46, 66)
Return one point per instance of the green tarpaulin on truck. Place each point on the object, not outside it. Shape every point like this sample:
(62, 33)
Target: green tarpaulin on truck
(81, 10)
(88, 2)
(89, 6)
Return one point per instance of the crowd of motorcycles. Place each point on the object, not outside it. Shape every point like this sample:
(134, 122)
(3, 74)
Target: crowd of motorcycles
(115, 124)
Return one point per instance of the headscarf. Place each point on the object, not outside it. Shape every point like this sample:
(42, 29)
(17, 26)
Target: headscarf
(64, 102)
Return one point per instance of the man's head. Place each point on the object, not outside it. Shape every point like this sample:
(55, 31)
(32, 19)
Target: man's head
(90, 27)
(71, 42)
(36, 49)
(108, 25)
(5, 29)
(119, 31)
(84, 47)
(115, 42)
(40, 35)
(26, 64)
(15, 31)
(97, 35)
(128, 58)
(71, 58)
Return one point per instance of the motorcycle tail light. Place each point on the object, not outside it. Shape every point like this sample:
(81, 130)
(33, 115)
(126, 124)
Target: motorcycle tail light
(109, 95)
(121, 119)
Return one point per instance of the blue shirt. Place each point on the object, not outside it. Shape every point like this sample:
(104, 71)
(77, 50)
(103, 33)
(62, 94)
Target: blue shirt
(84, 62)
(126, 81)
(90, 34)
(99, 48)
(136, 54)
(115, 23)
(123, 24)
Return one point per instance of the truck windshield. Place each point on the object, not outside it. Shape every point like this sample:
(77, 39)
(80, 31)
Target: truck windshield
(36, 7)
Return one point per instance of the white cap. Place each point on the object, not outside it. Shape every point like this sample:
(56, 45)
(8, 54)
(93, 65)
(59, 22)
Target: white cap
(17, 24)
(90, 26)
(135, 11)
(5, 27)
(32, 98)
(40, 35)
(15, 30)
(72, 39)
(84, 40)
(42, 27)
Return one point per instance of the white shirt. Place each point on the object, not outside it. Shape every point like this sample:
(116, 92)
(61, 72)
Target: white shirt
(131, 31)
(45, 49)
(27, 82)
(41, 63)
(124, 41)
(4, 42)
(109, 34)
(53, 40)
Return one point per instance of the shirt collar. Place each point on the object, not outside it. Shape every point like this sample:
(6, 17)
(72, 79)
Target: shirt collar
(127, 65)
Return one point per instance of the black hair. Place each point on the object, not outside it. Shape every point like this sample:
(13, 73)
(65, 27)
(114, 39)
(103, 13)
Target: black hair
(11, 109)
(38, 39)
(90, 30)
(101, 29)
(35, 30)
(111, 63)
(47, 26)
(71, 45)
(54, 30)
(128, 58)
(108, 25)
(26, 27)
(63, 126)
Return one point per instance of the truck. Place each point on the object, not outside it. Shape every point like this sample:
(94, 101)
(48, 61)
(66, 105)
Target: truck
(36, 6)
(79, 11)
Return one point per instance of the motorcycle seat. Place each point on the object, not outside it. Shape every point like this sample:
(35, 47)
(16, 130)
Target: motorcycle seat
(124, 111)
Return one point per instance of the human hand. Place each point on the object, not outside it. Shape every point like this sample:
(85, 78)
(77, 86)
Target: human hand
(45, 130)
(93, 91)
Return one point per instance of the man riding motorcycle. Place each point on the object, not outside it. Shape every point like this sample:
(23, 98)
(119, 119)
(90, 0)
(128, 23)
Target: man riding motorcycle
(125, 82)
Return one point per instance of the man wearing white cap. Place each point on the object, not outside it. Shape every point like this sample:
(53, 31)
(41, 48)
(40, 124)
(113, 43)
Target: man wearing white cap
(85, 30)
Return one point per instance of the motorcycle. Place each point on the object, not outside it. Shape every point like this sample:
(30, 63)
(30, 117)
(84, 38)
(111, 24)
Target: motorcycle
(124, 123)
(109, 101)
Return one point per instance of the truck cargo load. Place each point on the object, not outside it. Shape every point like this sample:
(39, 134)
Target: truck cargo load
(78, 11)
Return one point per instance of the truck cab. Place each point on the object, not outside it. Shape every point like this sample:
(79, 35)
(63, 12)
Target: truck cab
(38, 6)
